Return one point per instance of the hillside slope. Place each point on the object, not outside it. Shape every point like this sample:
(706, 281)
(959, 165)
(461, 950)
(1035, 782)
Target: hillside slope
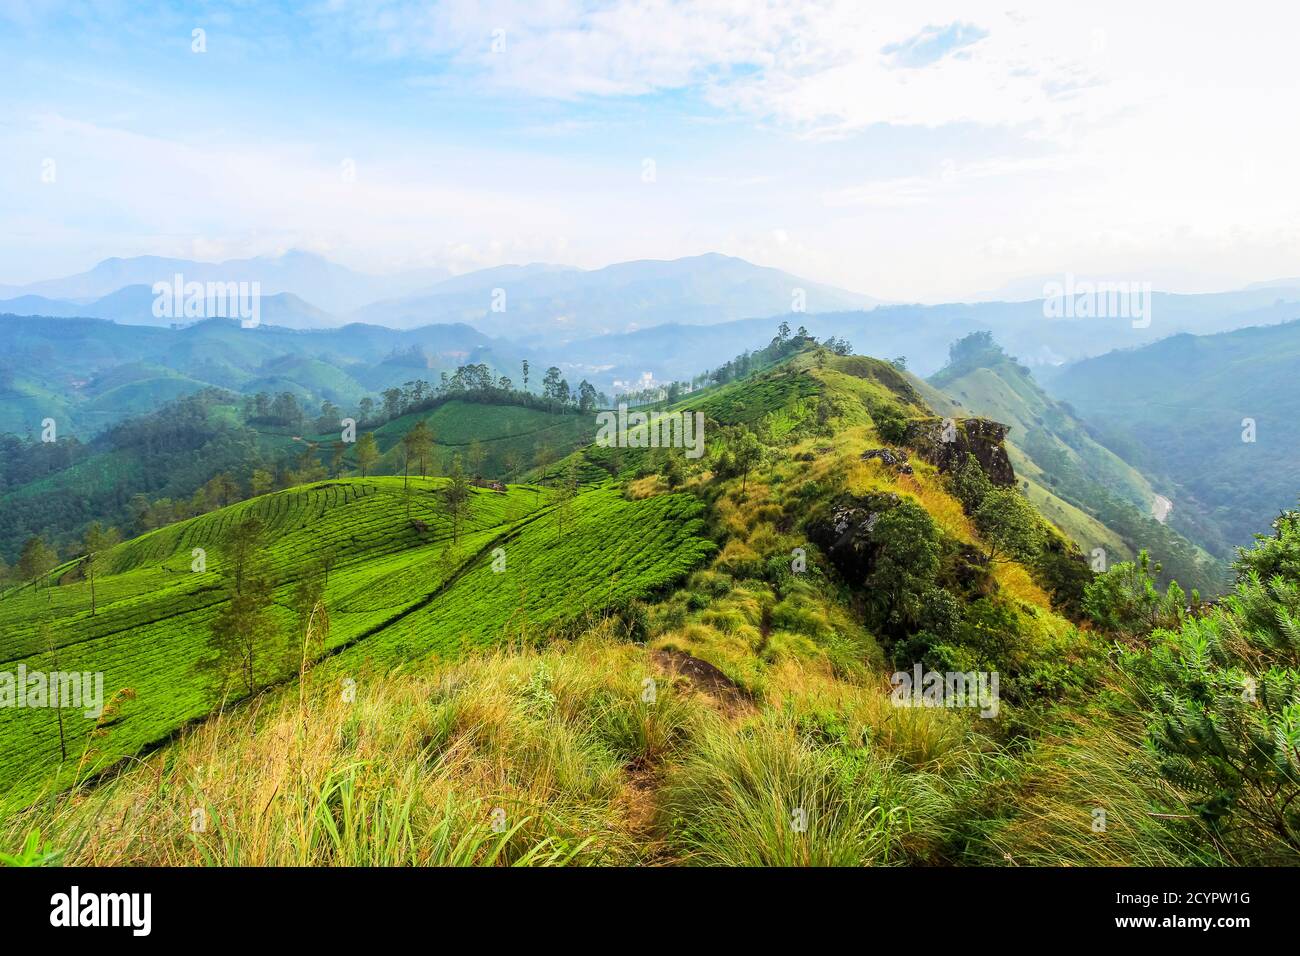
(1179, 409)
(1092, 493)
(679, 661)
(400, 587)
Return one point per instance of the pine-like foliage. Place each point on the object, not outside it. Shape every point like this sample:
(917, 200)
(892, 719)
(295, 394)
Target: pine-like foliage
(1225, 693)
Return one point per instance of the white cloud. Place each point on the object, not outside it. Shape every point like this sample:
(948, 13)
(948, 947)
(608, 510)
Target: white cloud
(1106, 136)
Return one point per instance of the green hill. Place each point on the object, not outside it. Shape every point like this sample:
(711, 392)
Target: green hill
(509, 437)
(666, 661)
(1089, 491)
(400, 589)
(1178, 409)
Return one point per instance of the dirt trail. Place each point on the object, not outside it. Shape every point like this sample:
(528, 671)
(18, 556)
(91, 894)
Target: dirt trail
(730, 698)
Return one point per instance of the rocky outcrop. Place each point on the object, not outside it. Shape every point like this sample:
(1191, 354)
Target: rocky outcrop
(844, 532)
(945, 443)
(892, 457)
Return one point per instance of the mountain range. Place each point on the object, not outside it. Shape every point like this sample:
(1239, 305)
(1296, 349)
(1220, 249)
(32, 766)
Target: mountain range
(667, 318)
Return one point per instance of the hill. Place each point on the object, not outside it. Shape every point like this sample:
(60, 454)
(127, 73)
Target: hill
(1178, 409)
(51, 367)
(669, 660)
(1099, 499)
(400, 587)
(158, 466)
(302, 275)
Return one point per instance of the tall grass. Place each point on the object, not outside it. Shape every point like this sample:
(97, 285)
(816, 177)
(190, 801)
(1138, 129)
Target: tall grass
(1086, 794)
(773, 796)
(519, 757)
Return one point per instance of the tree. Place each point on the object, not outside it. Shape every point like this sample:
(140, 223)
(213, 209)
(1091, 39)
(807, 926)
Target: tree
(511, 462)
(587, 396)
(309, 465)
(525, 369)
(907, 543)
(423, 446)
(366, 408)
(1009, 525)
(329, 417)
(367, 452)
(36, 560)
(475, 456)
(97, 540)
(551, 384)
(1124, 599)
(286, 410)
(337, 452)
(392, 402)
(568, 491)
(970, 485)
(242, 546)
(746, 454)
(672, 470)
(1221, 686)
(217, 492)
(409, 441)
(543, 455)
(245, 627)
(262, 405)
(260, 482)
(457, 496)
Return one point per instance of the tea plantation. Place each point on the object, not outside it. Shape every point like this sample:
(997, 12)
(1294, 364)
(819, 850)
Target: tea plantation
(399, 587)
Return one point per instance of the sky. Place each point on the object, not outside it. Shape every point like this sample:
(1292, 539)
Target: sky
(916, 151)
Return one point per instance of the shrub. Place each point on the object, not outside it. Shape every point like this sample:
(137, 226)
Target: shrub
(890, 422)
(1125, 600)
(1010, 526)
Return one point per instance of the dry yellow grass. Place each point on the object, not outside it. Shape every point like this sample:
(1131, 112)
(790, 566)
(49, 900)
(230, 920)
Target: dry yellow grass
(410, 771)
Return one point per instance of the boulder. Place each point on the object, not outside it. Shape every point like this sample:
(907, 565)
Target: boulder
(893, 457)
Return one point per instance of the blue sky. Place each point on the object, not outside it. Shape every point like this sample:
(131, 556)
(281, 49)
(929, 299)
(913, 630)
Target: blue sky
(922, 153)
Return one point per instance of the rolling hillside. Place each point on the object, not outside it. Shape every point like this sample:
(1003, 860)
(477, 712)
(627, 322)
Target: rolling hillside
(1093, 494)
(1178, 409)
(400, 589)
(665, 663)
(56, 489)
(66, 368)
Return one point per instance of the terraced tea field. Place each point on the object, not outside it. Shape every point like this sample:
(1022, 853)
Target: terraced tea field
(399, 588)
(508, 437)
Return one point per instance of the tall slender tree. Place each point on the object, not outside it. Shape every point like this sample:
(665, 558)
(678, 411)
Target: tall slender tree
(367, 452)
(457, 497)
(97, 540)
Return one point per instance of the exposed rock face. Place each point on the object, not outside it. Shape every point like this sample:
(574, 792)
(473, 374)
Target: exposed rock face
(945, 443)
(844, 534)
(890, 456)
